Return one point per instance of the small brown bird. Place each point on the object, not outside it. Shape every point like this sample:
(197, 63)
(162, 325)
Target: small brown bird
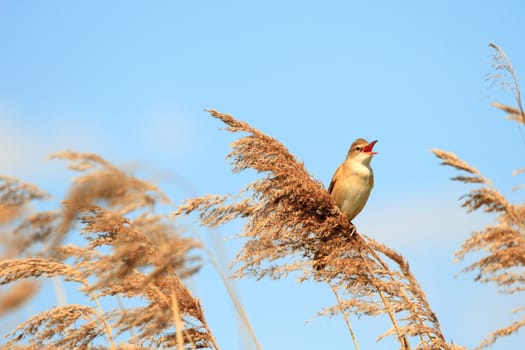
(354, 179)
(350, 187)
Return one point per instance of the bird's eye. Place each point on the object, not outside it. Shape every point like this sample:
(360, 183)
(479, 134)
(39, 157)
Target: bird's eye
(358, 148)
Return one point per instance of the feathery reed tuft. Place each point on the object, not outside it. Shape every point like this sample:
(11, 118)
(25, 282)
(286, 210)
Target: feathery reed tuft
(292, 225)
(503, 244)
(130, 252)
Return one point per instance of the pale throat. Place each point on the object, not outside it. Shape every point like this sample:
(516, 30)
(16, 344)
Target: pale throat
(359, 167)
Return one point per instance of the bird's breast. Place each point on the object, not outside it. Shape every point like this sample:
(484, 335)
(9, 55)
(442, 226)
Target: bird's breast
(354, 189)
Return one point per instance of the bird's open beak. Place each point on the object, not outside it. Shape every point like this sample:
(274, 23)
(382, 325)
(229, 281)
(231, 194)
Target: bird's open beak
(368, 148)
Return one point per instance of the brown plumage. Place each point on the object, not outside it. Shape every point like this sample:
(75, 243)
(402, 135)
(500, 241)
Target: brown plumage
(353, 180)
(350, 186)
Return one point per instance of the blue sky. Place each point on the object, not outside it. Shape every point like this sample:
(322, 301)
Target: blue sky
(130, 80)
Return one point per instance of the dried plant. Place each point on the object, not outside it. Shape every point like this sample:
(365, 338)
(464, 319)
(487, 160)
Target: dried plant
(503, 244)
(506, 77)
(130, 253)
(21, 229)
(292, 225)
(15, 217)
(17, 295)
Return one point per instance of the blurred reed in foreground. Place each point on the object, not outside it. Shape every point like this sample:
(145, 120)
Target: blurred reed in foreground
(130, 252)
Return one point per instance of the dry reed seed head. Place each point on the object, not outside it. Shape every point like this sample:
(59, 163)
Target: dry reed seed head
(42, 330)
(81, 161)
(15, 269)
(502, 245)
(452, 160)
(506, 77)
(489, 199)
(290, 216)
(146, 241)
(15, 198)
(124, 236)
(360, 279)
(9, 212)
(198, 339)
(468, 179)
(502, 332)
(154, 321)
(63, 252)
(14, 192)
(500, 59)
(41, 222)
(155, 332)
(105, 183)
(513, 113)
(504, 265)
(17, 295)
(27, 238)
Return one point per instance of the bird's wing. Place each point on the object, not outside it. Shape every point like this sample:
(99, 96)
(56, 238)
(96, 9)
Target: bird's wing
(334, 179)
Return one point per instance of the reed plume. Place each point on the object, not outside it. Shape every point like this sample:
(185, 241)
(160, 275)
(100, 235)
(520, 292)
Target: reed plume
(292, 225)
(502, 245)
(130, 252)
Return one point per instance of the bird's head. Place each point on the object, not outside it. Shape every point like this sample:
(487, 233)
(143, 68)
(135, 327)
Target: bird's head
(362, 151)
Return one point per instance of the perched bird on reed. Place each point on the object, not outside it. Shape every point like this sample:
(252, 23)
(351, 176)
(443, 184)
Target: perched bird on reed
(350, 187)
(354, 179)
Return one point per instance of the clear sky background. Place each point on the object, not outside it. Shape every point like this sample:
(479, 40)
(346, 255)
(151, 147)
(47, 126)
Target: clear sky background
(130, 80)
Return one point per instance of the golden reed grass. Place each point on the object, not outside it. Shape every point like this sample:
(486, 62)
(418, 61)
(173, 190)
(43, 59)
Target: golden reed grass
(502, 245)
(291, 226)
(130, 252)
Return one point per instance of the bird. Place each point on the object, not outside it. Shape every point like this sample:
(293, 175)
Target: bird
(353, 180)
(350, 187)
